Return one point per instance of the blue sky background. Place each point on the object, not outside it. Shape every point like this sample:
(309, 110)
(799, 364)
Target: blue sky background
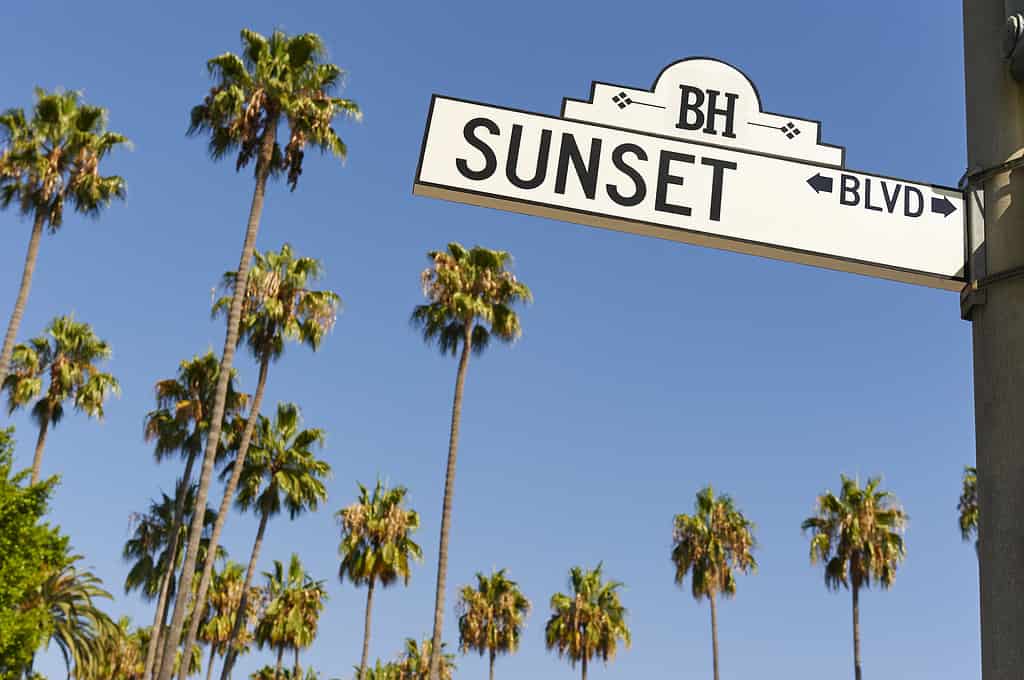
(647, 368)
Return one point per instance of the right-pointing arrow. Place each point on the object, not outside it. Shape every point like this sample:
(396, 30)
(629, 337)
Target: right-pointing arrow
(820, 183)
(942, 205)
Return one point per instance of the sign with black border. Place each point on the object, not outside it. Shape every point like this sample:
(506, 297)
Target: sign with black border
(695, 159)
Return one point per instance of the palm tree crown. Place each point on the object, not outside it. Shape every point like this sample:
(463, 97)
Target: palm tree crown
(281, 471)
(121, 654)
(275, 78)
(149, 549)
(77, 625)
(292, 617)
(376, 543)
(858, 535)
(53, 158)
(712, 544)
(968, 505)
(470, 292)
(68, 355)
(224, 597)
(491, 616)
(184, 406)
(279, 305)
(589, 621)
(414, 661)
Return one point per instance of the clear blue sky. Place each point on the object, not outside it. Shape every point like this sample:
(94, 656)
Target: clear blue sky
(647, 369)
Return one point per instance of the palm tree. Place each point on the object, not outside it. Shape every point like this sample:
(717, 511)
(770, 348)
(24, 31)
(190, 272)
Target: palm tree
(153, 554)
(49, 161)
(179, 425)
(76, 624)
(588, 622)
(292, 617)
(491, 616)
(858, 536)
(71, 364)
(414, 663)
(378, 671)
(281, 472)
(278, 306)
(711, 545)
(120, 656)
(376, 546)
(149, 549)
(225, 595)
(968, 506)
(470, 296)
(280, 79)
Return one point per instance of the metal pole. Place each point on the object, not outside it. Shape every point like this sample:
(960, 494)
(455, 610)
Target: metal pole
(995, 134)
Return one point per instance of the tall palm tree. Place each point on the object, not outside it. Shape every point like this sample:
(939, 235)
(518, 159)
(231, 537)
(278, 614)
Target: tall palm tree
(225, 595)
(491, 616)
(711, 545)
(47, 162)
(68, 355)
(415, 660)
(376, 546)
(178, 425)
(858, 536)
(154, 555)
(968, 506)
(292, 617)
(589, 621)
(470, 296)
(280, 79)
(278, 306)
(76, 623)
(281, 473)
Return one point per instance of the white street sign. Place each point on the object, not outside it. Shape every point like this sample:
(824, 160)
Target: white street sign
(696, 160)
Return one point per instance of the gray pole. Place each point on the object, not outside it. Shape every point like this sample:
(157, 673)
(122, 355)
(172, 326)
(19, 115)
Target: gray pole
(995, 134)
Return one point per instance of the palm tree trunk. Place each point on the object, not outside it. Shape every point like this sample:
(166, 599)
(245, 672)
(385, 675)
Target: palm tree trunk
(584, 667)
(295, 673)
(209, 666)
(446, 512)
(37, 460)
(217, 417)
(159, 623)
(165, 582)
(225, 503)
(714, 635)
(19, 303)
(280, 657)
(492, 665)
(236, 628)
(163, 629)
(856, 632)
(366, 631)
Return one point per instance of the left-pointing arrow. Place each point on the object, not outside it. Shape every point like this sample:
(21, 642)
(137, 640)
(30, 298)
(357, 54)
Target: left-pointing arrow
(820, 183)
(942, 206)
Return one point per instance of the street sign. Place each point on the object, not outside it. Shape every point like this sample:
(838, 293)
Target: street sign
(695, 159)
